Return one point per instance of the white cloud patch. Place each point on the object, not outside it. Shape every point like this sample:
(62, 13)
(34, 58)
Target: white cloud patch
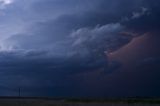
(98, 39)
(136, 14)
(4, 3)
(86, 34)
(141, 13)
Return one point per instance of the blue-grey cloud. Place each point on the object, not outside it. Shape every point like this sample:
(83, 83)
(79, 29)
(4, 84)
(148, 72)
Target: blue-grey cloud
(47, 43)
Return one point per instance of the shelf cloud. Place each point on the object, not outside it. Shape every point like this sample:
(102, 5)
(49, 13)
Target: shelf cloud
(52, 45)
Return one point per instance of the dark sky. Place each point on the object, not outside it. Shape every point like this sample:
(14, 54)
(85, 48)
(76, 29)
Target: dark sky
(75, 48)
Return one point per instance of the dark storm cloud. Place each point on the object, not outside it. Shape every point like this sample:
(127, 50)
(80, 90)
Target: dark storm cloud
(68, 38)
(150, 61)
(62, 7)
(28, 71)
(33, 70)
(81, 57)
(85, 46)
(56, 30)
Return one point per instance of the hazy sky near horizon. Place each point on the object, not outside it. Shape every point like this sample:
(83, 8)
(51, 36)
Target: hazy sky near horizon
(80, 48)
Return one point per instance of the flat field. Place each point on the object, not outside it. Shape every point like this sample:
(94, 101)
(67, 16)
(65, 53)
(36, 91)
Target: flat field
(77, 102)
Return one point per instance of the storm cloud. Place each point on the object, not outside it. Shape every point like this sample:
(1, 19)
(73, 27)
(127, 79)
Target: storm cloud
(48, 43)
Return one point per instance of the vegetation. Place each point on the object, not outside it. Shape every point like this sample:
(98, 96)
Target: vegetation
(118, 100)
(45, 101)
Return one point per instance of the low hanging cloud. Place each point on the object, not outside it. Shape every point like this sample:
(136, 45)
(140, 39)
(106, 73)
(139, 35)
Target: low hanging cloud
(59, 44)
(86, 53)
(61, 48)
(100, 38)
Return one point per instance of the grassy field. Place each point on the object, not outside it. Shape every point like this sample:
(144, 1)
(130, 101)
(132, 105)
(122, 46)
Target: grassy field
(5, 101)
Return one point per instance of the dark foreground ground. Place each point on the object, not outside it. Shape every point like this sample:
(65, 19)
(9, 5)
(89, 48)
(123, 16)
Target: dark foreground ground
(15, 101)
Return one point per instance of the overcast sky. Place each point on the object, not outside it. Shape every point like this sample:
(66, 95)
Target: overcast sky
(95, 48)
